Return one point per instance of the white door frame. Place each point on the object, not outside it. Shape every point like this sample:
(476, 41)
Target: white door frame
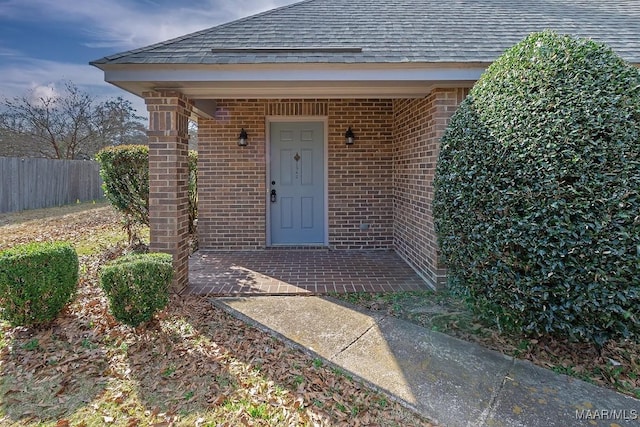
(286, 119)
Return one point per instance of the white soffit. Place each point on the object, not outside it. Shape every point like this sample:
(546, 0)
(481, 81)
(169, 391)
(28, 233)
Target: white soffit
(293, 80)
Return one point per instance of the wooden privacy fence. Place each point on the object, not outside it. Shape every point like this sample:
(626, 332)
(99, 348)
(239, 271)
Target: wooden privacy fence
(32, 183)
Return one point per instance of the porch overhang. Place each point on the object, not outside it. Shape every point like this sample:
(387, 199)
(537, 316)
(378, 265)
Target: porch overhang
(269, 81)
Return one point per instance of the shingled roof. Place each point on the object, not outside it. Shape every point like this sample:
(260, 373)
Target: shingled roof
(396, 31)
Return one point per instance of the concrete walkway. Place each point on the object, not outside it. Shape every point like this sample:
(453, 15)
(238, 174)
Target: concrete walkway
(449, 381)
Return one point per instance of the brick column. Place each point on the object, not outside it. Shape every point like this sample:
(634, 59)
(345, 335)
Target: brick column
(169, 179)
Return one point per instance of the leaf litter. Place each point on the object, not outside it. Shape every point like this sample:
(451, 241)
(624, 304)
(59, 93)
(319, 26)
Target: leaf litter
(193, 364)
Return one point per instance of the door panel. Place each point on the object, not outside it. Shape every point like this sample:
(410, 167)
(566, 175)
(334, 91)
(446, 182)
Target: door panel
(306, 220)
(306, 167)
(297, 175)
(286, 213)
(286, 167)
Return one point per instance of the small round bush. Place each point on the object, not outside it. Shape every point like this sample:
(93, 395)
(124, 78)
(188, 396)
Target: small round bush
(137, 286)
(537, 204)
(37, 280)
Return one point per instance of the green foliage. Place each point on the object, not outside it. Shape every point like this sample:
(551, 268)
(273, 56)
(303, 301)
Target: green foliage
(125, 172)
(125, 175)
(193, 190)
(37, 280)
(537, 191)
(137, 286)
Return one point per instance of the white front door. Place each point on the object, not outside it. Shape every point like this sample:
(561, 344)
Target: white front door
(296, 189)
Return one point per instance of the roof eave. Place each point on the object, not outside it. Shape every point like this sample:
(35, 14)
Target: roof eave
(386, 80)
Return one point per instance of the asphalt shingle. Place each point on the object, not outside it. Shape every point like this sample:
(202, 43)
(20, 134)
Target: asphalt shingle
(398, 31)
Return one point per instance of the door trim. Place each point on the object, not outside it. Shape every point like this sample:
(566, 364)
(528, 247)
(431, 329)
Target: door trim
(288, 119)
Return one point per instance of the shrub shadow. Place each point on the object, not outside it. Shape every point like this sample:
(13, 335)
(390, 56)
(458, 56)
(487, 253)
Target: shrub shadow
(48, 374)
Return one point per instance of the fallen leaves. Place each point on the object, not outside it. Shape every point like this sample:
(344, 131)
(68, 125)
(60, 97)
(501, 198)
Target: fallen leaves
(192, 365)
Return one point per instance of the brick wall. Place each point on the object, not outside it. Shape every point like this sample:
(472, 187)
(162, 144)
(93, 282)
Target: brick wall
(231, 179)
(418, 127)
(380, 188)
(361, 175)
(168, 179)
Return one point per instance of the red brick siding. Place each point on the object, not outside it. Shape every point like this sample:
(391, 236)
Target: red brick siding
(418, 127)
(231, 179)
(361, 175)
(168, 178)
(384, 180)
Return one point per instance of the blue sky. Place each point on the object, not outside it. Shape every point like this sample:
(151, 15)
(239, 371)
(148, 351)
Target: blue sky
(46, 42)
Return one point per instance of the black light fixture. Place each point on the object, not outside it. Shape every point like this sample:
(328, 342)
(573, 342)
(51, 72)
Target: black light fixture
(349, 137)
(242, 139)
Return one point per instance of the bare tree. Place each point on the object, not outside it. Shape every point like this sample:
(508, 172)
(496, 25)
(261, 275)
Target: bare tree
(71, 125)
(116, 123)
(193, 135)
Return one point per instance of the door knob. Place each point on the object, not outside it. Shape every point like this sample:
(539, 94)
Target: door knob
(273, 196)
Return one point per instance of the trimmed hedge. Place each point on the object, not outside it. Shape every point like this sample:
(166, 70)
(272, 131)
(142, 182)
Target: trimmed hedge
(137, 286)
(125, 174)
(537, 203)
(37, 280)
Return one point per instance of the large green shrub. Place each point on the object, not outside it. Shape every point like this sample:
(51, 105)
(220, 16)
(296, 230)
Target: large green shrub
(125, 174)
(537, 204)
(137, 286)
(37, 280)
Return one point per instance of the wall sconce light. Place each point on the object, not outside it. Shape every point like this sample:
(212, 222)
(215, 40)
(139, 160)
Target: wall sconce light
(349, 137)
(242, 139)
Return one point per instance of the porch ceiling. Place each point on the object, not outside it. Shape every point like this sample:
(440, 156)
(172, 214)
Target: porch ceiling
(270, 81)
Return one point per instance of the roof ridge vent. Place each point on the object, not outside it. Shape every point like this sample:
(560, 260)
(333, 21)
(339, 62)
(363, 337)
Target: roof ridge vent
(309, 49)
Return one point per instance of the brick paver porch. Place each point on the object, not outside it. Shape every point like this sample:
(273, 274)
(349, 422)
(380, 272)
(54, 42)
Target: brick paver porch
(304, 272)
